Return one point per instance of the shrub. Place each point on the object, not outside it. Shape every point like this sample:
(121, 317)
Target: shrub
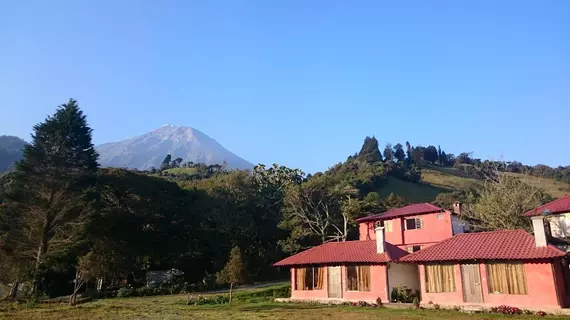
(436, 306)
(541, 313)
(416, 302)
(503, 309)
(394, 295)
(124, 292)
(362, 304)
(457, 308)
(379, 302)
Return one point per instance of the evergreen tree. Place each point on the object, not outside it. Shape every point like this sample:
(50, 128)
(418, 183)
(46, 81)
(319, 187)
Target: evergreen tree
(166, 162)
(394, 201)
(399, 153)
(52, 189)
(430, 154)
(234, 272)
(370, 151)
(388, 156)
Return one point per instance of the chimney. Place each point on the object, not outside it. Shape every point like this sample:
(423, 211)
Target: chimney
(380, 239)
(457, 207)
(540, 232)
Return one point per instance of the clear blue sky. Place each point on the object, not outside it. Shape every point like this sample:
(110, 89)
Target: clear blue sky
(300, 83)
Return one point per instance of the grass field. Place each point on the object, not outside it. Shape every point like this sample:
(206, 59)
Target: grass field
(181, 170)
(436, 180)
(250, 304)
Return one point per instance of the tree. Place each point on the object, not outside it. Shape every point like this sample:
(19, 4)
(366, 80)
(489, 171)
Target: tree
(370, 151)
(394, 201)
(318, 211)
(234, 272)
(431, 154)
(166, 162)
(502, 201)
(388, 155)
(176, 162)
(53, 188)
(399, 153)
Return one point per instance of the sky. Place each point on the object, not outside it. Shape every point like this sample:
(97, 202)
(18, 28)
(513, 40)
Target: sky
(299, 83)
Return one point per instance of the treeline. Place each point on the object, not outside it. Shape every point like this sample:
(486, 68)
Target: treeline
(65, 221)
(421, 156)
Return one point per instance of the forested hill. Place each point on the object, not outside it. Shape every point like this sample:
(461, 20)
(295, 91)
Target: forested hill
(10, 151)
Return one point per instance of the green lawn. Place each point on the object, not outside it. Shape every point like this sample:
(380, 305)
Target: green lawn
(251, 304)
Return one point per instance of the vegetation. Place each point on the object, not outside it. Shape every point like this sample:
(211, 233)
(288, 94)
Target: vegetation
(66, 224)
(234, 272)
(248, 304)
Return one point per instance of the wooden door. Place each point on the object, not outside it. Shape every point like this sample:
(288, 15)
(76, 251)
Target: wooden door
(471, 279)
(334, 283)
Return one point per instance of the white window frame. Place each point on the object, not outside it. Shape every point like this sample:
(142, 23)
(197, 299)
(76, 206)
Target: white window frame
(418, 223)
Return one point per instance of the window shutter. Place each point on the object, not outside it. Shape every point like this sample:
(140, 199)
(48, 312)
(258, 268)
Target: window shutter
(419, 223)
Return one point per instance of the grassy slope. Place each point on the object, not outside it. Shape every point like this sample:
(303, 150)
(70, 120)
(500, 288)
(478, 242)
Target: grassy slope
(436, 180)
(181, 170)
(247, 306)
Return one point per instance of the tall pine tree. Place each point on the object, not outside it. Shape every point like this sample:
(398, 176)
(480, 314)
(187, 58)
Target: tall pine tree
(53, 188)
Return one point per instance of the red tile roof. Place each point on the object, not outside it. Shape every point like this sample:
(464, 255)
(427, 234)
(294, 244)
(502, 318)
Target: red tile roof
(344, 252)
(500, 245)
(561, 205)
(412, 209)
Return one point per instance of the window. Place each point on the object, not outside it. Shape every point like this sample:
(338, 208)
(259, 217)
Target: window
(414, 248)
(311, 278)
(358, 278)
(388, 225)
(414, 223)
(507, 278)
(440, 277)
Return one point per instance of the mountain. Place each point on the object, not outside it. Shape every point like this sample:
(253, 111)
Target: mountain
(10, 151)
(148, 150)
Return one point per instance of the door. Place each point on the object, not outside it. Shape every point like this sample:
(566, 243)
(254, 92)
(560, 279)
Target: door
(334, 283)
(471, 279)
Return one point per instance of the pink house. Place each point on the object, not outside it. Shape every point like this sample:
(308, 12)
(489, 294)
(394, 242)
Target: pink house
(367, 269)
(509, 267)
(424, 248)
(414, 227)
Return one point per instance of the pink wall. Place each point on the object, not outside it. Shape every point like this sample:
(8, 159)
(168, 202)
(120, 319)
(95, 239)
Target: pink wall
(541, 287)
(308, 294)
(434, 231)
(378, 287)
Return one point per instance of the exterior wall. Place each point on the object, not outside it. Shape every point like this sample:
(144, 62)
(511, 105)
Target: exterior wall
(308, 294)
(434, 230)
(400, 274)
(378, 287)
(542, 289)
(457, 225)
(560, 225)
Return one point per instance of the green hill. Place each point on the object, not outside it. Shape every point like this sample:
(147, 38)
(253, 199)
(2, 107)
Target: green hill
(436, 180)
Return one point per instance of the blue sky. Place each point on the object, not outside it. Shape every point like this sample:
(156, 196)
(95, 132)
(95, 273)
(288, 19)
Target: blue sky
(300, 83)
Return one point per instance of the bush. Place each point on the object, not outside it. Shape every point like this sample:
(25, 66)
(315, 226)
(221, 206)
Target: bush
(541, 313)
(416, 302)
(394, 294)
(379, 302)
(503, 309)
(198, 300)
(124, 292)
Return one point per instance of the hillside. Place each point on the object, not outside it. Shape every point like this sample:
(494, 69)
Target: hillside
(10, 151)
(436, 180)
(148, 150)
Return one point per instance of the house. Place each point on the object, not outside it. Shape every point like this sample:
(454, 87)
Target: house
(349, 271)
(507, 267)
(415, 226)
(558, 212)
(367, 269)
